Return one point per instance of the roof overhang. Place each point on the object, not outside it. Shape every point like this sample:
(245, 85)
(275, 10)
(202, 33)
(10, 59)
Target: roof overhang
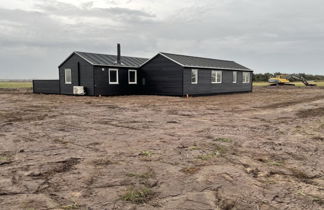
(220, 68)
(198, 67)
(96, 64)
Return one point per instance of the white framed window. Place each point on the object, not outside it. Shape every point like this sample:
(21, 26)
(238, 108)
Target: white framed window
(132, 76)
(194, 76)
(216, 76)
(113, 76)
(68, 76)
(246, 77)
(234, 76)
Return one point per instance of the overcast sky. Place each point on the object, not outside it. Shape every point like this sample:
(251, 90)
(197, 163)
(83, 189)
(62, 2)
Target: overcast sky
(264, 35)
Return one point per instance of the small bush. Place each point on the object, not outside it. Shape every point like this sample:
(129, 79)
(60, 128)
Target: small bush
(138, 195)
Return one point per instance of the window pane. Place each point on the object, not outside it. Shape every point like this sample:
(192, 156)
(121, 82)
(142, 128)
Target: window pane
(68, 76)
(246, 77)
(113, 76)
(194, 76)
(132, 76)
(219, 76)
(234, 76)
(213, 76)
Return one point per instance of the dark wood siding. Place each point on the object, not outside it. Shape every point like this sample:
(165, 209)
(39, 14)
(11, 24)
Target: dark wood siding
(46, 86)
(82, 75)
(102, 86)
(162, 76)
(206, 87)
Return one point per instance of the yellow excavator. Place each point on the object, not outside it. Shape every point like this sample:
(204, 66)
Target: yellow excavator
(283, 80)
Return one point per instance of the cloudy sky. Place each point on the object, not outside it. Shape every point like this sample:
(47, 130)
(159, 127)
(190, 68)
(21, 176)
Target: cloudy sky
(264, 35)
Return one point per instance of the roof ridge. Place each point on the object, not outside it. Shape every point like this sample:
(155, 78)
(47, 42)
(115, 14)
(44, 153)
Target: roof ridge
(109, 54)
(196, 57)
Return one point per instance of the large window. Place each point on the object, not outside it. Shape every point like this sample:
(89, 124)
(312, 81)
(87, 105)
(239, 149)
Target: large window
(246, 77)
(132, 76)
(216, 76)
(68, 76)
(234, 76)
(113, 76)
(194, 76)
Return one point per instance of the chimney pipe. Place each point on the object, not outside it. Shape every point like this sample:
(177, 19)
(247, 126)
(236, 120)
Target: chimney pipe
(118, 54)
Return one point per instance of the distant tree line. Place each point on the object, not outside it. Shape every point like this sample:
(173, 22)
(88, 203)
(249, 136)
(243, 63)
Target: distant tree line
(264, 77)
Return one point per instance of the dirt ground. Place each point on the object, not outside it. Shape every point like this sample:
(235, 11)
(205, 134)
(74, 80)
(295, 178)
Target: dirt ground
(260, 150)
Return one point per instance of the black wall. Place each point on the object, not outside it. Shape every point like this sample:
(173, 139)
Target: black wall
(46, 86)
(102, 86)
(82, 75)
(205, 87)
(162, 76)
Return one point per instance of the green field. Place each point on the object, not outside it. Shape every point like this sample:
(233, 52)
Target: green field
(29, 84)
(16, 84)
(300, 84)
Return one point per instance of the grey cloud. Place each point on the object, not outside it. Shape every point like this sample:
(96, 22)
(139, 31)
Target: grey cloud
(264, 35)
(87, 10)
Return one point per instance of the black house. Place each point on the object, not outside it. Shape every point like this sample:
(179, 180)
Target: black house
(180, 75)
(164, 74)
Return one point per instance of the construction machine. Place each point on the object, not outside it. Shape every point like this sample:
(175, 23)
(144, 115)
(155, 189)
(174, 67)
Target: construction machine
(284, 79)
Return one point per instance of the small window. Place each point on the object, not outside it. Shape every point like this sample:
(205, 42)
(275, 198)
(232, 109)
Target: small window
(246, 77)
(113, 76)
(216, 76)
(194, 76)
(132, 76)
(68, 76)
(234, 76)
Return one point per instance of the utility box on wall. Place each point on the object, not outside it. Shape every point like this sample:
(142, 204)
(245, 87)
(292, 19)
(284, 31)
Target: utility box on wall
(78, 90)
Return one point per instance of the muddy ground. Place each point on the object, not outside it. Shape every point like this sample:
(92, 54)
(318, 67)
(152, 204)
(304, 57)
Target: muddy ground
(260, 150)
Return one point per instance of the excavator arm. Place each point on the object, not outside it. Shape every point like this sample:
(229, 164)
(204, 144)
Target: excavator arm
(300, 78)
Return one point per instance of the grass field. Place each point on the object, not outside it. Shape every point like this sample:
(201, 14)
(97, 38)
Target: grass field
(16, 84)
(29, 84)
(300, 84)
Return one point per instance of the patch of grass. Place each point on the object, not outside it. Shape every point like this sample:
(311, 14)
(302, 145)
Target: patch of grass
(16, 84)
(192, 148)
(217, 150)
(4, 158)
(138, 195)
(220, 149)
(146, 175)
(226, 140)
(260, 84)
(190, 170)
(72, 206)
(146, 153)
(298, 84)
(208, 156)
(275, 163)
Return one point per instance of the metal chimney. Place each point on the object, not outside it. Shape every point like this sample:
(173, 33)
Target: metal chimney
(118, 54)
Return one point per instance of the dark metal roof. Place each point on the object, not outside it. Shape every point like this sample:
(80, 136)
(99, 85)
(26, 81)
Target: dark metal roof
(109, 60)
(199, 62)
